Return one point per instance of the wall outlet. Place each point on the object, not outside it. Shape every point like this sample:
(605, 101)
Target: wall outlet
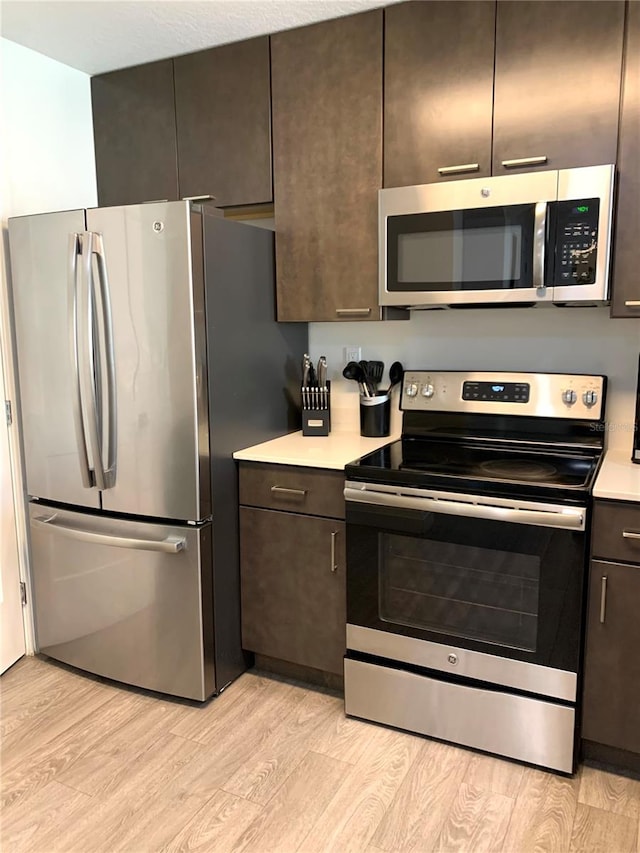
(352, 353)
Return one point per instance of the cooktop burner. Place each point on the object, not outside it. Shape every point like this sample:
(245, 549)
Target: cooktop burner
(519, 469)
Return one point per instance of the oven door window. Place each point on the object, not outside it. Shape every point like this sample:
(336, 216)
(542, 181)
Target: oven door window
(462, 250)
(464, 591)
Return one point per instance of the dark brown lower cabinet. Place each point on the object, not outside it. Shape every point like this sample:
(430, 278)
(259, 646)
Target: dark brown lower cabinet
(611, 710)
(293, 587)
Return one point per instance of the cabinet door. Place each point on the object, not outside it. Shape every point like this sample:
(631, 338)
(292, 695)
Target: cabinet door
(135, 134)
(557, 83)
(293, 587)
(223, 118)
(438, 91)
(327, 167)
(611, 713)
(626, 282)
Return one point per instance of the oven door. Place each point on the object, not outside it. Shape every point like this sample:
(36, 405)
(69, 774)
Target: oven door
(481, 241)
(486, 588)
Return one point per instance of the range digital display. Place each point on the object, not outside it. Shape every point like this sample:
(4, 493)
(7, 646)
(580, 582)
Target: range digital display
(494, 392)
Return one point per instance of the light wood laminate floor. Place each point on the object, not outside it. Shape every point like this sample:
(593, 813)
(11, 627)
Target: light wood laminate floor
(271, 766)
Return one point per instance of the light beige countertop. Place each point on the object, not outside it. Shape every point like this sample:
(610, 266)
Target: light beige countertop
(332, 451)
(618, 478)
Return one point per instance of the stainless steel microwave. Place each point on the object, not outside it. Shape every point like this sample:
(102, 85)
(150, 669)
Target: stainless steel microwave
(530, 238)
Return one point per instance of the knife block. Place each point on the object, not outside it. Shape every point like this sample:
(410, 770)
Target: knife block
(316, 410)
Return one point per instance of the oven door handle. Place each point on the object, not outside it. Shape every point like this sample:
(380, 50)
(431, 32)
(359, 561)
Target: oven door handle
(569, 518)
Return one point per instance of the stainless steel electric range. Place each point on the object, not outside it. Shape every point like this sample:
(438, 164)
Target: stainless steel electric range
(466, 562)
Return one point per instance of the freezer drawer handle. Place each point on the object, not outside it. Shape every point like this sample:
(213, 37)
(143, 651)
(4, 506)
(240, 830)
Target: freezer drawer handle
(629, 534)
(170, 545)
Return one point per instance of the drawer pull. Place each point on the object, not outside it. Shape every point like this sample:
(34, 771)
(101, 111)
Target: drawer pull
(288, 493)
(353, 312)
(524, 161)
(458, 170)
(632, 303)
(334, 565)
(603, 599)
(629, 534)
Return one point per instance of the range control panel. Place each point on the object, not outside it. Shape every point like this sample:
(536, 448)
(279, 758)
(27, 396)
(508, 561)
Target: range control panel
(577, 241)
(551, 395)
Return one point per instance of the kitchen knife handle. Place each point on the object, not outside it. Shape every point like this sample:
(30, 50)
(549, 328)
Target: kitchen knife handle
(603, 599)
(334, 565)
(290, 493)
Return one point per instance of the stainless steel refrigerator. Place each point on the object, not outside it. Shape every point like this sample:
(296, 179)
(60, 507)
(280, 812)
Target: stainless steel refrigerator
(147, 352)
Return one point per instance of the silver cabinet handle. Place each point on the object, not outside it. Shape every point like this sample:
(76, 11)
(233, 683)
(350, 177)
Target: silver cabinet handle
(282, 490)
(603, 599)
(539, 243)
(524, 161)
(81, 438)
(458, 170)
(105, 302)
(334, 565)
(629, 534)
(632, 303)
(170, 545)
(353, 312)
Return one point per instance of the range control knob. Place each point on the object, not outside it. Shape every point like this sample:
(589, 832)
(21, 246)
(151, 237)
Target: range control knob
(428, 391)
(411, 389)
(590, 398)
(569, 396)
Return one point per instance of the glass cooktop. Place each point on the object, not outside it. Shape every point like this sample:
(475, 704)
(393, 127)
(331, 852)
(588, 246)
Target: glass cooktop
(472, 467)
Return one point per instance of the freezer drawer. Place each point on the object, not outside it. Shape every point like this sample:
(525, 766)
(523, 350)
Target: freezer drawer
(127, 600)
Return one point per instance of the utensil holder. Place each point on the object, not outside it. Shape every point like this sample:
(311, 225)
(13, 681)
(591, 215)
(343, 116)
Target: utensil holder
(316, 410)
(375, 415)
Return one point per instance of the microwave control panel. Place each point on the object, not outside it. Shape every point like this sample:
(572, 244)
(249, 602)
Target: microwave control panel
(577, 241)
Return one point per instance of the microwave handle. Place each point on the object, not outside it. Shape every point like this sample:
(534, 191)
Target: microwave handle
(539, 243)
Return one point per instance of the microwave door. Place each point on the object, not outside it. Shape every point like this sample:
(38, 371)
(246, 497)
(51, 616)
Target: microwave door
(466, 257)
(583, 215)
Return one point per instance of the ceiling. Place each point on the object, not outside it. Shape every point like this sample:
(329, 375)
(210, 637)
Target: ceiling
(101, 35)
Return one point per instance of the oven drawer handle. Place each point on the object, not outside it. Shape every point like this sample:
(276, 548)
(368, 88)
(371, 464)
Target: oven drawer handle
(572, 519)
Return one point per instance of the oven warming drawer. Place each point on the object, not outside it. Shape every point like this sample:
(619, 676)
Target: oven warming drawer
(519, 727)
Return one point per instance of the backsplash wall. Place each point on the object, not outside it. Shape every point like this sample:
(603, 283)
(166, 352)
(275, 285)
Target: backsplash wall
(554, 340)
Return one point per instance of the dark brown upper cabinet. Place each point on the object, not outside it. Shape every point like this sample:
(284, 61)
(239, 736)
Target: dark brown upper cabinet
(135, 134)
(438, 91)
(327, 167)
(626, 280)
(223, 118)
(557, 84)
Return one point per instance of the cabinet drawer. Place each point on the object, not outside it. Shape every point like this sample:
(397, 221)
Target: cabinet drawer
(285, 487)
(616, 532)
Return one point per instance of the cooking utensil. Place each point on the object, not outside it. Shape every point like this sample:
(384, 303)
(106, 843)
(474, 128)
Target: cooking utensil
(376, 372)
(356, 373)
(396, 372)
(364, 365)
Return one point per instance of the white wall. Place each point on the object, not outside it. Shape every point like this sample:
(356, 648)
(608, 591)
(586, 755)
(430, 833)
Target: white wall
(547, 339)
(47, 163)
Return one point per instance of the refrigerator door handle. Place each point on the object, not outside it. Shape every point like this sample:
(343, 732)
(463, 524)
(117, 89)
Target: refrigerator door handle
(170, 545)
(88, 362)
(107, 321)
(81, 437)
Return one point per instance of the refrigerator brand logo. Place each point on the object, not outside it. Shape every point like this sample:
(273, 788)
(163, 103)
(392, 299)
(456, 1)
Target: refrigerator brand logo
(158, 226)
